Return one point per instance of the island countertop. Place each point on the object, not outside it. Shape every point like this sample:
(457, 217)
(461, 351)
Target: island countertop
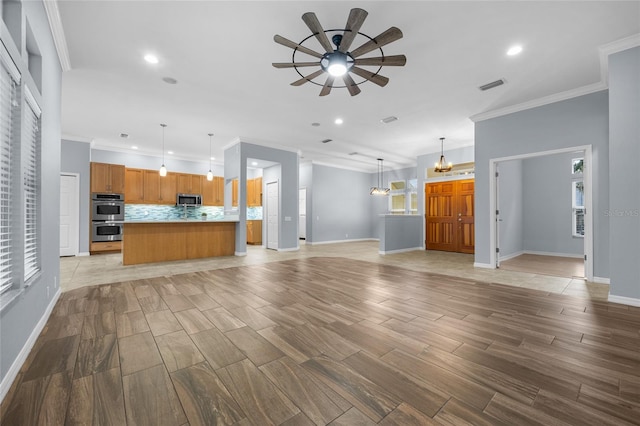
(161, 241)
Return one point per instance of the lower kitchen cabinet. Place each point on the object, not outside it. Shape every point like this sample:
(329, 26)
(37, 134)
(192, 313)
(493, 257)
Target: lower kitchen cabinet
(105, 246)
(254, 232)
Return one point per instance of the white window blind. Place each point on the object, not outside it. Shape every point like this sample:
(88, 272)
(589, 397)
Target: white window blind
(31, 181)
(9, 78)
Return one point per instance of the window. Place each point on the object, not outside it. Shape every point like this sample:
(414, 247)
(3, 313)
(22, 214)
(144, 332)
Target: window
(397, 198)
(31, 183)
(413, 196)
(9, 78)
(577, 197)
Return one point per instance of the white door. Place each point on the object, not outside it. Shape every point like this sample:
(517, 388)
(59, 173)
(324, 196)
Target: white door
(273, 215)
(302, 208)
(498, 220)
(69, 221)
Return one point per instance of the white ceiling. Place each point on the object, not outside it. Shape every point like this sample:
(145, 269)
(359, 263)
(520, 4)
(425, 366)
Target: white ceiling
(220, 52)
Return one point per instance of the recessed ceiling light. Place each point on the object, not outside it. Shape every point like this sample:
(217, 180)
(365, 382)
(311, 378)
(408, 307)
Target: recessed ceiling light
(134, 147)
(212, 158)
(170, 152)
(151, 58)
(254, 163)
(514, 50)
(339, 121)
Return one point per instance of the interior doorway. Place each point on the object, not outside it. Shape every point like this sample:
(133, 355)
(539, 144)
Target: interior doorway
(534, 213)
(302, 212)
(69, 214)
(449, 216)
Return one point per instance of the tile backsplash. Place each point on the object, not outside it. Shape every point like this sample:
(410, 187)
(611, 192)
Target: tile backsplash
(145, 212)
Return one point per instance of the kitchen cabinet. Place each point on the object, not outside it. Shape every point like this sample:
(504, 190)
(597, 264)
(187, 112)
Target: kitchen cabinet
(254, 232)
(158, 189)
(234, 192)
(106, 246)
(107, 178)
(254, 192)
(189, 184)
(134, 186)
(213, 191)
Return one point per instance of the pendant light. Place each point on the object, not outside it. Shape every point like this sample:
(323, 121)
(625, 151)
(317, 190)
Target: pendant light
(163, 169)
(379, 190)
(210, 173)
(440, 166)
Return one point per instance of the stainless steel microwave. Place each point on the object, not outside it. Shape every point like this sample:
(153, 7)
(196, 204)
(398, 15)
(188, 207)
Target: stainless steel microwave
(189, 200)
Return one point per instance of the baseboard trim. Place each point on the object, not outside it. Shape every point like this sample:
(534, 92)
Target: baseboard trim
(13, 371)
(240, 253)
(631, 301)
(601, 280)
(84, 253)
(289, 249)
(483, 265)
(548, 253)
(404, 250)
(511, 256)
(342, 241)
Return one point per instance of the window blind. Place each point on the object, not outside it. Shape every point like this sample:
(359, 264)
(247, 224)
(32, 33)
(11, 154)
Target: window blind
(31, 180)
(8, 117)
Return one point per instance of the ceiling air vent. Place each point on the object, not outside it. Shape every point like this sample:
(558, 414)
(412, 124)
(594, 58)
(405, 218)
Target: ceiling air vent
(389, 119)
(492, 84)
(327, 140)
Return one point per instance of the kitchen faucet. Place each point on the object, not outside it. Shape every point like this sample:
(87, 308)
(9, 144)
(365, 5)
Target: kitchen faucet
(184, 211)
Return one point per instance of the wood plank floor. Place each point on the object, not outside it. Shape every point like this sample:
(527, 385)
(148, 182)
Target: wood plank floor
(557, 266)
(328, 340)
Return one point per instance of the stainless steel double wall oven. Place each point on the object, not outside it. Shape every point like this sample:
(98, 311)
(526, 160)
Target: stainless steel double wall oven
(107, 215)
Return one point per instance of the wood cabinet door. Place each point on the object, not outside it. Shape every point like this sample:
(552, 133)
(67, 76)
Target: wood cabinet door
(189, 184)
(151, 185)
(99, 177)
(168, 189)
(116, 178)
(134, 186)
(251, 193)
(449, 216)
(234, 192)
(218, 183)
(208, 192)
(257, 183)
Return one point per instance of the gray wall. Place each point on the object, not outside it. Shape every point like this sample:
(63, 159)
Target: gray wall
(341, 205)
(75, 159)
(306, 181)
(624, 151)
(511, 208)
(19, 319)
(398, 232)
(579, 121)
(150, 162)
(546, 195)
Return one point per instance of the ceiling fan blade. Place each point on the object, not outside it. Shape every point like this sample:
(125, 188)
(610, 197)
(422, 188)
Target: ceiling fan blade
(391, 35)
(352, 87)
(378, 79)
(295, 64)
(286, 42)
(354, 22)
(393, 60)
(326, 89)
(312, 22)
(310, 77)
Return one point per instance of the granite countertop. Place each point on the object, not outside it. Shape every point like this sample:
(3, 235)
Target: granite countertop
(221, 220)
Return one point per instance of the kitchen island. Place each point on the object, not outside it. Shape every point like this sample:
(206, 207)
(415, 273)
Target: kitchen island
(161, 241)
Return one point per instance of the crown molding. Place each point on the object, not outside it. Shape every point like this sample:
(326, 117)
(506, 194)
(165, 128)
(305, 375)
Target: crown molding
(75, 138)
(615, 47)
(55, 23)
(603, 51)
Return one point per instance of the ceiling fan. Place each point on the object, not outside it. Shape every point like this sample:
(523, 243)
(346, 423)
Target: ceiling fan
(339, 62)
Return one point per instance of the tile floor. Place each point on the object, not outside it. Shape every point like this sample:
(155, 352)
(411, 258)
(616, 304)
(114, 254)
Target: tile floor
(83, 271)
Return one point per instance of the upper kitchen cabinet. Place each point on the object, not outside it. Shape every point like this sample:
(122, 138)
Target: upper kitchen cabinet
(134, 186)
(189, 184)
(107, 178)
(158, 189)
(257, 193)
(213, 191)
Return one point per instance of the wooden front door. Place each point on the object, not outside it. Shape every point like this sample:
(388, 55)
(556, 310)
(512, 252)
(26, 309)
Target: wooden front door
(449, 213)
